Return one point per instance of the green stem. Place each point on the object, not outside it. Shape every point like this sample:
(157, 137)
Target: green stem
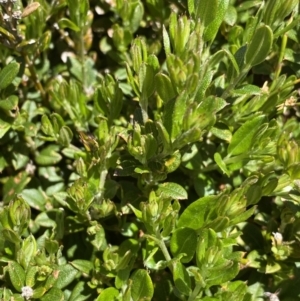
(281, 55)
(161, 244)
(34, 76)
(195, 292)
(82, 54)
(164, 249)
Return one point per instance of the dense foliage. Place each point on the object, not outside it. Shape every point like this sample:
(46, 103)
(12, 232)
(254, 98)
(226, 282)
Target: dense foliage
(149, 150)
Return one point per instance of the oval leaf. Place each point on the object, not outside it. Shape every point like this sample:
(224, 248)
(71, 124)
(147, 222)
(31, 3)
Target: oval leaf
(248, 90)
(48, 156)
(200, 209)
(66, 275)
(181, 279)
(109, 294)
(164, 87)
(172, 190)
(184, 240)
(84, 266)
(10, 103)
(260, 46)
(206, 10)
(65, 136)
(242, 138)
(54, 294)
(16, 275)
(8, 74)
(142, 287)
(213, 27)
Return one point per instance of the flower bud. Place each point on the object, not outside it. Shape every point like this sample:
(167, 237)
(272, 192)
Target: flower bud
(277, 238)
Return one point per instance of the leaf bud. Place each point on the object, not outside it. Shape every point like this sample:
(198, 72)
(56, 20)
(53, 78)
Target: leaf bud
(27, 252)
(80, 167)
(169, 224)
(181, 78)
(19, 212)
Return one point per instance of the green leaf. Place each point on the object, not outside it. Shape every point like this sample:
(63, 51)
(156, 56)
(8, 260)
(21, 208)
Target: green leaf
(248, 90)
(57, 122)
(260, 46)
(15, 185)
(243, 216)
(84, 266)
(28, 251)
(79, 292)
(48, 155)
(206, 11)
(65, 136)
(146, 80)
(66, 23)
(47, 127)
(272, 266)
(10, 103)
(231, 16)
(224, 272)
(202, 209)
(66, 276)
(16, 275)
(35, 198)
(233, 60)
(137, 15)
(164, 87)
(31, 272)
(27, 45)
(222, 132)
(4, 127)
(221, 163)
(109, 294)
(8, 74)
(164, 137)
(174, 110)
(256, 290)
(213, 27)
(184, 240)
(212, 104)
(254, 194)
(142, 287)
(166, 41)
(7, 34)
(171, 190)
(11, 236)
(153, 61)
(190, 136)
(54, 294)
(181, 278)
(242, 139)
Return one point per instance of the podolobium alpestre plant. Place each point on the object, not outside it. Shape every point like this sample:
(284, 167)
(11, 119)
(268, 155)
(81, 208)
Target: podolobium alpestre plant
(149, 150)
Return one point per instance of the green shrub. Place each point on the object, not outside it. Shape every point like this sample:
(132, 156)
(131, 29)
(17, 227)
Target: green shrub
(150, 150)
